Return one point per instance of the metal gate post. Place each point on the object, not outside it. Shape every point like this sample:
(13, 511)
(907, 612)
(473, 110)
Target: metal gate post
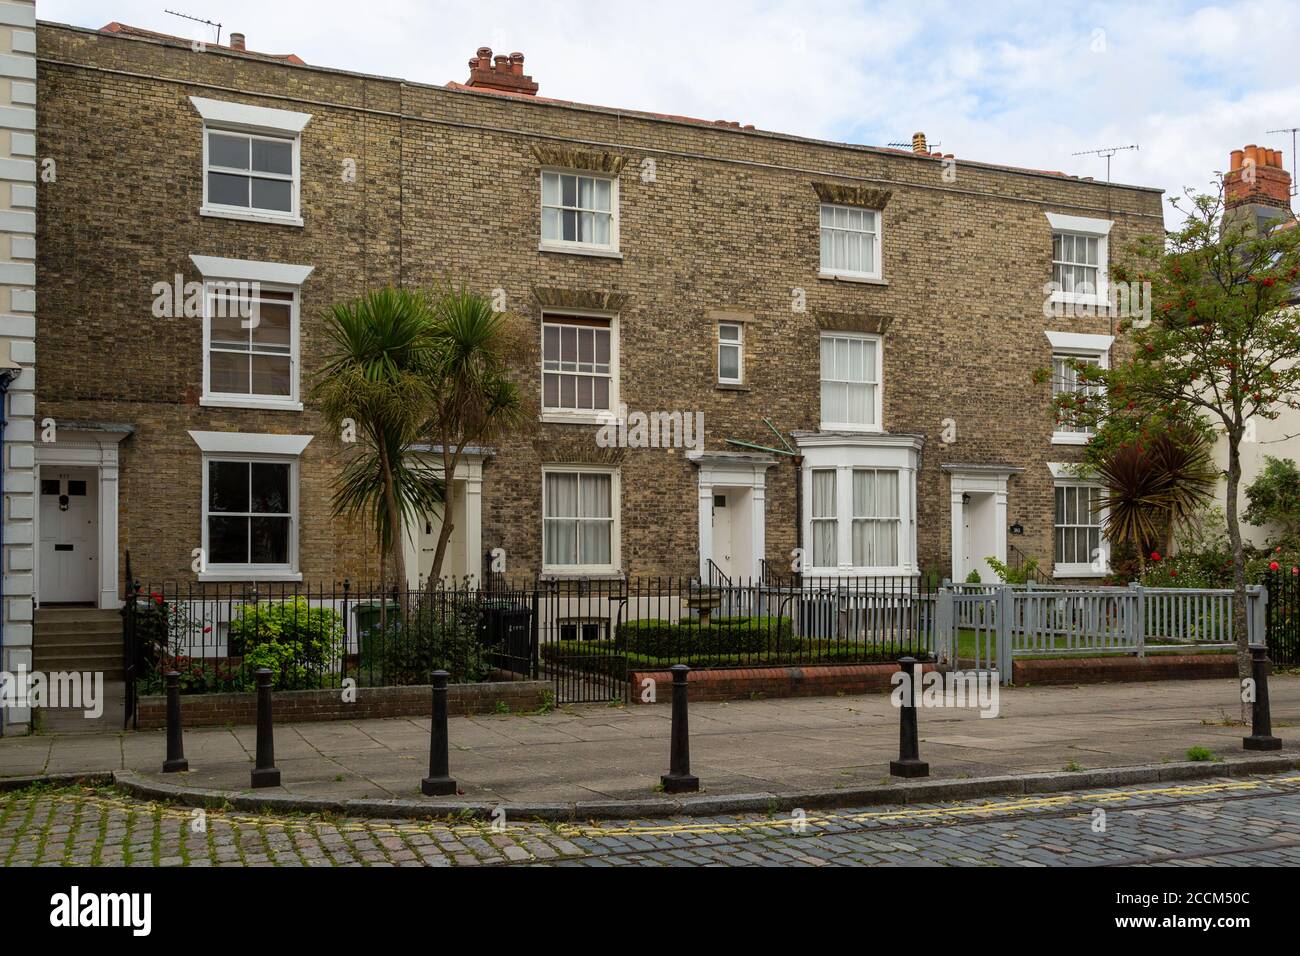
(945, 628)
(1140, 620)
(1006, 620)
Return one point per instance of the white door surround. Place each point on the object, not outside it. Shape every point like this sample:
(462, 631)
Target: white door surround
(979, 517)
(464, 555)
(742, 477)
(92, 449)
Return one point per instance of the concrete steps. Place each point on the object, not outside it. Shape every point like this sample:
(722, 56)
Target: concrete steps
(78, 639)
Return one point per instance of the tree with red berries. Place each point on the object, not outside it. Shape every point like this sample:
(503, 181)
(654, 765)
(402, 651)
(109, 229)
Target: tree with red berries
(1222, 344)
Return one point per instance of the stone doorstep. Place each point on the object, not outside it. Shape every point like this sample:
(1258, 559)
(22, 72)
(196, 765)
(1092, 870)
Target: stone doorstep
(916, 791)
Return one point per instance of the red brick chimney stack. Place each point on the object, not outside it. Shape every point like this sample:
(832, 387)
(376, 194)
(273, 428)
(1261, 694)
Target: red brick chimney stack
(1257, 177)
(502, 73)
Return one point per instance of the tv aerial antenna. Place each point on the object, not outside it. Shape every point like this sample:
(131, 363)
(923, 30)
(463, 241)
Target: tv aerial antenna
(1106, 151)
(186, 16)
(1292, 130)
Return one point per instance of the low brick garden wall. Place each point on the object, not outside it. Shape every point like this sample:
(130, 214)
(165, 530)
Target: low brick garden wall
(832, 679)
(289, 706)
(1105, 670)
(818, 680)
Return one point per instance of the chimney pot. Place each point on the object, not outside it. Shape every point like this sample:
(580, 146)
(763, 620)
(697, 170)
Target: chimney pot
(918, 143)
(1257, 179)
(502, 73)
(236, 41)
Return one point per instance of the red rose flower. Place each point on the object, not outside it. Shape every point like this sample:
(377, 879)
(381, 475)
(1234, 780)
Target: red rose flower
(1273, 566)
(1155, 555)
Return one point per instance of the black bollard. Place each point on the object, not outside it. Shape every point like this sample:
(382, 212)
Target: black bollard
(264, 772)
(909, 762)
(175, 761)
(678, 779)
(439, 782)
(1261, 721)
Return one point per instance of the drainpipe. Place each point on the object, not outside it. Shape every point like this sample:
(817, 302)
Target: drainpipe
(7, 375)
(798, 516)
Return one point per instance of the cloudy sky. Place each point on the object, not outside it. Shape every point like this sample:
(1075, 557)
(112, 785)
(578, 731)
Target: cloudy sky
(1022, 83)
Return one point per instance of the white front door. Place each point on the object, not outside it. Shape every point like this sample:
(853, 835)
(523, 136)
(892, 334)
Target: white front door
(69, 523)
(722, 541)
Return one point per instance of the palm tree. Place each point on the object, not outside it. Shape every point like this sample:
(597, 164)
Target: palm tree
(1155, 484)
(378, 377)
(475, 402)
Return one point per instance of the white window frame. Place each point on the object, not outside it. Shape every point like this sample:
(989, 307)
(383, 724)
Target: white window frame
(846, 454)
(579, 416)
(616, 525)
(854, 517)
(271, 277)
(1098, 229)
(611, 250)
(1066, 476)
(1072, 345)
(738, 344)
(877, 426)
(252, 448)
(258, 122)
(875, 273)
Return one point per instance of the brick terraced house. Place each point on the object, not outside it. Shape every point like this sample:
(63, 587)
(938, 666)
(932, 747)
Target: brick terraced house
(883, 308)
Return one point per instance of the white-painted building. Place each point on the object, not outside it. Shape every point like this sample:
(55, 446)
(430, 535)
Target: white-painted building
(1265, 197)
(18, 172)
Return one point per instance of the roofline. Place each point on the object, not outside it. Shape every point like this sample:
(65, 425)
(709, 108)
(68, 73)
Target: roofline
(615, 112)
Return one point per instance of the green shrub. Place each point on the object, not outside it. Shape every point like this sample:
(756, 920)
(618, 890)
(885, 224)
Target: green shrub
(605, 657)
(724, 635)
(408, 652)
(301, 644)
(1009, 575)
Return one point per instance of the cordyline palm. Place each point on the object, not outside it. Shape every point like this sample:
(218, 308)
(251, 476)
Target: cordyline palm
(1154, 484)
(474, 401)
(377, 375)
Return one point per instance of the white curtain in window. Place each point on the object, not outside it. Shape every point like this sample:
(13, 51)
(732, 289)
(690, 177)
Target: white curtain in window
(595, 503)
(875, 514)
(824, 553)
(578, 519)
(848, 380)
(561, 519)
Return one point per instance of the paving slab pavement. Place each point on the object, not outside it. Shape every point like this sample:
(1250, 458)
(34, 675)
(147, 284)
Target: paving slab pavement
(596, 752)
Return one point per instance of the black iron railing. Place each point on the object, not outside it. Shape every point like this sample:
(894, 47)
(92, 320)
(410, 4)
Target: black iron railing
(586, 635)
(320, 636)
(1282, 618)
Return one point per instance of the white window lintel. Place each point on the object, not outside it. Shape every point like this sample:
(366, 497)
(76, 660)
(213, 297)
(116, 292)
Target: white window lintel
(248, 443)
(248, 270)
(1079, 472)
(1079, 224)
(1079, 342)
(229, 115)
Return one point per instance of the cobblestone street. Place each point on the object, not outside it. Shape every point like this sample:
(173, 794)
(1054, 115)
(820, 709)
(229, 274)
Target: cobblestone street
(1253, 821)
